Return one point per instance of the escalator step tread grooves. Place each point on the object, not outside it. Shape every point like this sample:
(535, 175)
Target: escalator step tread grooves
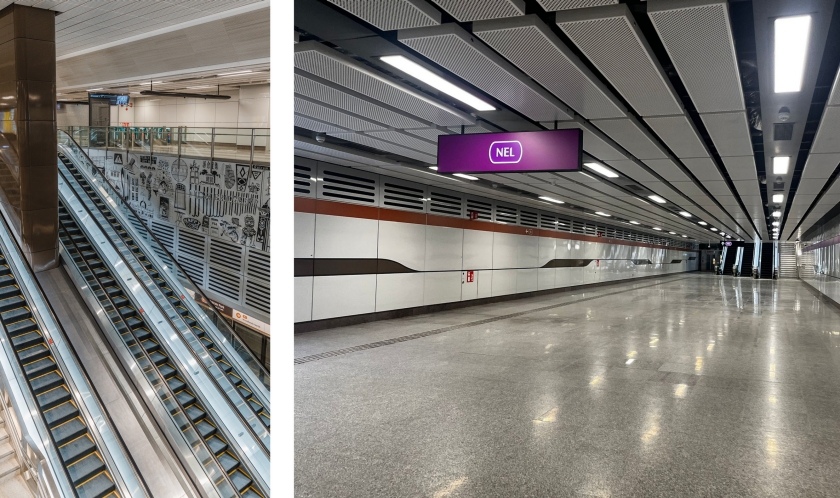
(175, 384)
(15, 315)
(33, 353)
(68, 431)
(12, 302)
(60, 414)
(167, 371)
(205, 428)
(9, 290)
(250, 493)
(217, 446)
(240, 480)
(77, 449)
(185, 398)
(266, 420)
(53, 398)
(195, 413)
(39, 367)
(85, 468)
(28, 339)
(22, 326)
(158, 358)
(228, 462)
(46, 382)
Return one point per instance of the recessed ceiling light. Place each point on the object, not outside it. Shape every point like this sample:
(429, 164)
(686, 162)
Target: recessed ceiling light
(791, 47)
(714, 229)
(551, 199)
(728, 236)
(776, 223)
(777, 214)
(93, 89)
(673, 233)
(702, 223)
(599, 213)
(685, 213)
(657, 229)
(685, 236)
(780, 165)
(656, 198)
(421, 73)
(634, 222)
(435, 168)
(778, 197)
(233, 73)
(602, 170)
(10, 97)
(465, 177)
(199, 87)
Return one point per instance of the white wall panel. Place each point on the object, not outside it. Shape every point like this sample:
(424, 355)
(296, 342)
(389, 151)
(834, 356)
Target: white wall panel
(442, 287)
(478, 250)
(548, 250)
(546, 278)
(399, 290)
(404, 243)
(527, 280)
(343, 237)
(304, 235)
(504, 282)
(485, 283)
(444, 248)
(343, 295)
(528, 250)
(505, 251)
(303, 299)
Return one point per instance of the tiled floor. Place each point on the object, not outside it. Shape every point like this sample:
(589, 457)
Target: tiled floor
(692, 385)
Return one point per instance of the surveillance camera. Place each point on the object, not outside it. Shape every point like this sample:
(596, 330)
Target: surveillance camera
(784, 114)
(320, 137)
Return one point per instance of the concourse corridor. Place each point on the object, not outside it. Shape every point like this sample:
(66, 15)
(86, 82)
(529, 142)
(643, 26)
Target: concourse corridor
(686, 385)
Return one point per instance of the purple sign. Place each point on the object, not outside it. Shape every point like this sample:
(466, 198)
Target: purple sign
(552, 150)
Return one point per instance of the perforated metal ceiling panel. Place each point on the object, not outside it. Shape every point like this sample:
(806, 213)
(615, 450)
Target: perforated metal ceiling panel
(699, 41)
(308, 145)
(322, 61)
(630, 136)
(328, 114)
(475, 10)
(453, 48)
(702, 168)
(401, 138)
(533, 48)
(550, 5)
(315, 125)
(679, 135)
(594, 142)
(730, 133)
(429, 133)
(355, 104)
(827, 138)
(610, 39)
(668, 170)
(632, 170)
(392, 14)
(820, 165)
(384, 145)
(740, 168)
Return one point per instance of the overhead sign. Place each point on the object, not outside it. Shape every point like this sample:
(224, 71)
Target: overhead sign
(551, 150)
(113, 98)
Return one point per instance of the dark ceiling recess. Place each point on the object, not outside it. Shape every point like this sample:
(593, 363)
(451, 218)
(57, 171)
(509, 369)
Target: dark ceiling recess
(825, 78)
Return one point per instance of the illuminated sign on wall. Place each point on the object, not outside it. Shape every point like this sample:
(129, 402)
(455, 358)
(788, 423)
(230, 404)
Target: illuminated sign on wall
(551, 150)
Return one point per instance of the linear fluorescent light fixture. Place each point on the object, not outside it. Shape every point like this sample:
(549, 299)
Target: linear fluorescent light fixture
(601, 170)
(656, 198)
(780, 165)
(634, 222)
(714, 229)
(657, 229)
(551, 199)
(673, 233)
(433, 168)
(791, 48)
(233, 73)
(465, 177)
(685, 236)
(685, 213)
(776, 223)
(600, 213)
(777, 214)
(421, 73)
(778, 197)
(702, 223)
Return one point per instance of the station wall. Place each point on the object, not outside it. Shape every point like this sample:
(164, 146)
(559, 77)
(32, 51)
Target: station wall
(358, 259)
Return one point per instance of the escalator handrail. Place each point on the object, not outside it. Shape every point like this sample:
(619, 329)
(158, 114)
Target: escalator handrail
(124, 468)
(199, 392)
(263, 375)
(198, 360)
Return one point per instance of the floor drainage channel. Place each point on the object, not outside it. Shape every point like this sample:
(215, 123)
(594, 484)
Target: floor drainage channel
(419, 335)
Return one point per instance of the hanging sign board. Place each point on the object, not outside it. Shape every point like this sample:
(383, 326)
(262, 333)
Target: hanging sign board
(550, 150)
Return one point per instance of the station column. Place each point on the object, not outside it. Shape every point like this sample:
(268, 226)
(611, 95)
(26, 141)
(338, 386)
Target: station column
(28, 171)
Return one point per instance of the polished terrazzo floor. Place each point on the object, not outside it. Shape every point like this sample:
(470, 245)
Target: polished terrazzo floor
(689, 385)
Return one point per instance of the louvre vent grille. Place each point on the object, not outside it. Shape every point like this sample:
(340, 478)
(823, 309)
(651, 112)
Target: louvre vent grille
(578, 227)
(782, 131)
(446, 204)
(226, 255)
(483, 209)
(528, 219)
(193, 269)
(258, 296)
(348, 187)
(548, 221)
(506, 214)
(191, 244)
(259, 265)
(225, 284)
(303, 181)
(166, 235)
(403, 197)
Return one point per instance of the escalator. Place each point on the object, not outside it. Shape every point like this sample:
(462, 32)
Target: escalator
(232, 377)
(747, 260)
(729, 262)
(165, 374)
(767, 257)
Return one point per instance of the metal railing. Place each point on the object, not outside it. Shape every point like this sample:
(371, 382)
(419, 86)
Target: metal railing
(252, 145)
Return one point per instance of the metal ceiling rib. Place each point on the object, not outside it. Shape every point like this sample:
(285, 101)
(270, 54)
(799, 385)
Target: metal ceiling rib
(328, 114)
(329, 94)
(476, 10)
(610, 39)
(329, 64)
(594, 141)
(530, 45)
(387, 146)
(632, 136)
(551, 5)
(679, 135)
(304, 145)
(698, 38)
(456, 50)
(388, 15)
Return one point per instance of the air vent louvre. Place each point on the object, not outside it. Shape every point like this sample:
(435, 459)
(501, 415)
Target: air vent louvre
(225, 284)
(192, 245)
(403, 196)
(483, 209)
(445, 204)
(578, 227)
(193, 269)
(165, 234)
(528, 219)
(303, 181)
(348, 187)
(548, 221)
(259, 265)
(226, 255)
(782, 131)
(258, 296)
(506, 214)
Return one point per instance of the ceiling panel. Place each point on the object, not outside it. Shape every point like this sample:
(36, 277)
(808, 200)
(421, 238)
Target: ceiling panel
(820, 165)
(703, 168)
(594, 142)
(398, 137)
(668, 170)
(384, 145)
(699, 41)
(338, 152)
(679, 135)
(326, 63)
(551, 5)
(827, 138)
(329, 114)
(730, 133)
(388, 15)
(456, 50)
(476, 10)
(430, 133)
(609, 38)
(740, 168)
(632, 170)
(530, 45)
(315, 125)
(632, 137)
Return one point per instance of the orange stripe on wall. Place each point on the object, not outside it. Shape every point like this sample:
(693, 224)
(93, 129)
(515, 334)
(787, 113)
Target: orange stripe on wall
(322, 206)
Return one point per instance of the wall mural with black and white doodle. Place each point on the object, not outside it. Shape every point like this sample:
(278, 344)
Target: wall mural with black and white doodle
(221, 199)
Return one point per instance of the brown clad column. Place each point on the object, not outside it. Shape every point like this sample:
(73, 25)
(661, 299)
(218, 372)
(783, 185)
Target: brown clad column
(28, 171)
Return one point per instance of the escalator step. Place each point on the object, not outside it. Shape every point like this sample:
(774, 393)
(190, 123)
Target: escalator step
(39, 367)
(5, 270)
(228, 462)
(250, 493)
(7, 291)
(217, 446)
(68, 431)
(158, 358)
(207, 342)
(175, 384)
(185, 398)
(134, 322)
(266, 420)
(119, 301)
(150, 345)
(82, 471)
(240, 480)
(26, 340)
(256, 406)
(46, 382)
(205, 428)
(21, 327)
(6, 280)
(11, 303)
(15, 315)
(33, 353)
(113, 291)
(142, 334)
(216, 355)
(225, 366)
(195, 413)
(60, 414)
(167, 371)
(107, 282)
(53, 398)
(127, 311)
(244, 392)
(198, 331)
(234, 379)
(101, 272)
